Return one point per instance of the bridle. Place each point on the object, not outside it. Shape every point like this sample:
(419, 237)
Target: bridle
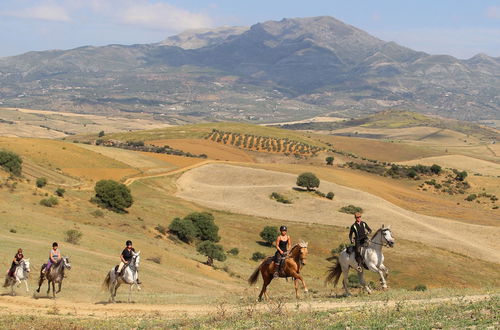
(386, 243)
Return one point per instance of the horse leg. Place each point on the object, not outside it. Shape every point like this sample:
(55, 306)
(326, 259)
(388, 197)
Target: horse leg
(345, 274)
(381, 274)
(264, 289)
(54, 289)
(40, 282)
(385, 270)
(361, 277)
(296, 285)
(26, 283)
(59, 288)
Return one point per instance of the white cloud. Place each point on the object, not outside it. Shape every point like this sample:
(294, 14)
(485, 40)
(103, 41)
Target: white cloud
(47, 12)
(161, 16)
(493, 12)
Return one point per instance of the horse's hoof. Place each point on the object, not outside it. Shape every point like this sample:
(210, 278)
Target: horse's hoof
(306, 291)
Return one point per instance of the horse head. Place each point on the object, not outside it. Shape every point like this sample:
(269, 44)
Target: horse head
(26, 265)
(136, 258)
(303, 252)
(66, 262)
(387, 236)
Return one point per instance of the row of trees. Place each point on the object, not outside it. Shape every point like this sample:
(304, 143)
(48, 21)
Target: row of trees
(263, 143)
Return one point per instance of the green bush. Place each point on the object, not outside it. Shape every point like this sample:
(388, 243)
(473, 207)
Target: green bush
(256, 256)
(339, 248)
(97, 213)
(49, 202)
(436, 169)
(206, 229)
(60, 192)
(113, 196)
(183, 229)
(353, 281)
(73, 236)
(308, 180)
(101, 133)
(330, 195)
(420, 287)
(471, 197)
(212, 251)
(162, 229)
(460, 176)
(41, 182)
(11, 162)
(329, 160)
(269, 234)
(233, 251)
(351, 209)
(280, 198)
(320, 194)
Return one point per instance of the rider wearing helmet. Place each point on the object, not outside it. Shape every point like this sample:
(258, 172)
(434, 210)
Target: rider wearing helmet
(126, 257)
(283, 243)
(17, 259)
(360, 230)
(54, 256)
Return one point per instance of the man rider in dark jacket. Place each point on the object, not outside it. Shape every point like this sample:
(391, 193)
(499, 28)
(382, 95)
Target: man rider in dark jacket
(360, 230)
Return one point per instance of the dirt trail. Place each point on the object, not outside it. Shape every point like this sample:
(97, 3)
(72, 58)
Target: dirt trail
(246, 191)
(44, 306)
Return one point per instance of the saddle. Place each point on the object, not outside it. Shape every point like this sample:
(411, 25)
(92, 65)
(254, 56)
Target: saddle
(351, 249)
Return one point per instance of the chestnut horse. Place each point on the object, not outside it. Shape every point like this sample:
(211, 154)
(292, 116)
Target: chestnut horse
(296, 258)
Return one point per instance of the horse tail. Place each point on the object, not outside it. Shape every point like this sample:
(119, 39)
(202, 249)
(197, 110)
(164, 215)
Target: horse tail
(255, 275)
(107, 282)
(334, 272)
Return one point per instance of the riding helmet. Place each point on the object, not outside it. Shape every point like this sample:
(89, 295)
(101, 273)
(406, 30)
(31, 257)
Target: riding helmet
(283, 228)
(129, 242)
(55, 244)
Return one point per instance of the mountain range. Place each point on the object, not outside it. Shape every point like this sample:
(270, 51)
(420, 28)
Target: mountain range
(272, 71)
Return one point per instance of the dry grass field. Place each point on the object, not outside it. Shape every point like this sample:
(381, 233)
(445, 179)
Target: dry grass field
(177, 283)
(212, 149)
(469, 164)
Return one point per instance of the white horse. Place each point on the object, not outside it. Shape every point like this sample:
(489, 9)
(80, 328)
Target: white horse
(21, 273)
(372, 256)
(113, 280)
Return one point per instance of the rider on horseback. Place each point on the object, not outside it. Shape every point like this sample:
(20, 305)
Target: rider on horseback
(360, 230)
(54, 256)
(126, 257)
(283, 243)
(15, 262)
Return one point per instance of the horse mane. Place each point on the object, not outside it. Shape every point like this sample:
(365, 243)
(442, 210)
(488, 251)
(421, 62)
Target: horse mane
(375, 234)
(300, 244)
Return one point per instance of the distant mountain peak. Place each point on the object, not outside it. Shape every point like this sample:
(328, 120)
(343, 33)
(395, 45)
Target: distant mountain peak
(198, 38)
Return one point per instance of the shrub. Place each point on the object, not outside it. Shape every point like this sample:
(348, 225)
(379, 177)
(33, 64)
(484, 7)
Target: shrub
(329, 160)
(353, 281)
(234, 251)
(330, 195)
(73, 236)
(212, 251)
(460, 176)
(308, 180)
(101, 133)
(339, 248)
(269, 234)
(319, 193)
(11, 162)
(420, 287)
(97, 213)
(471, 197)
(41, 182)
(162, 229)
(13, 231)
(183, 229)
(49, 202)
(156, 260)
(412, 173)
(256, 256)
(280, 198)
(206, 229)
(113, 195)
(351, 209)
(60, 192)
(436, 169)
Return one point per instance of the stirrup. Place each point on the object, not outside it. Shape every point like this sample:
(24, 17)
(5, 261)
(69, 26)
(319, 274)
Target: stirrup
(276, 275)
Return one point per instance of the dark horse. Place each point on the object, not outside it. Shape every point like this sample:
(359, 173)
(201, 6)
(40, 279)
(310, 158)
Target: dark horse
(54, 275)
(291, 268)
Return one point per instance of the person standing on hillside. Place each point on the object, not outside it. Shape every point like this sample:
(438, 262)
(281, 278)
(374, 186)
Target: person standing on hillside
(17, 259)
(360, 230)
(283, 243)
(126, 257)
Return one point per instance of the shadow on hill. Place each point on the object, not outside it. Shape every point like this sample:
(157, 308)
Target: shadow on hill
(262, 243)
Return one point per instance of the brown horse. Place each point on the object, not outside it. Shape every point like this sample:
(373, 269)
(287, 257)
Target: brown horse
(54, 275)
(291, 268)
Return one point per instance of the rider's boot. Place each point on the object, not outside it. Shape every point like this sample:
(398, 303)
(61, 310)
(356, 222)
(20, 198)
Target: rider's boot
(138, 281)
(276, 270)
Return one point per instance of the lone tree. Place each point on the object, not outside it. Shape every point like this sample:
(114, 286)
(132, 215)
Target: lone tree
(308, 180)
(196, 225)
(183, 229)
(212, 251)
(11, 162)
(269, 234)
(329, 160)
(113, 195)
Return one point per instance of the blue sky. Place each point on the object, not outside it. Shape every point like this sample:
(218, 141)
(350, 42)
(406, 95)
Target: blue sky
(461, 28)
